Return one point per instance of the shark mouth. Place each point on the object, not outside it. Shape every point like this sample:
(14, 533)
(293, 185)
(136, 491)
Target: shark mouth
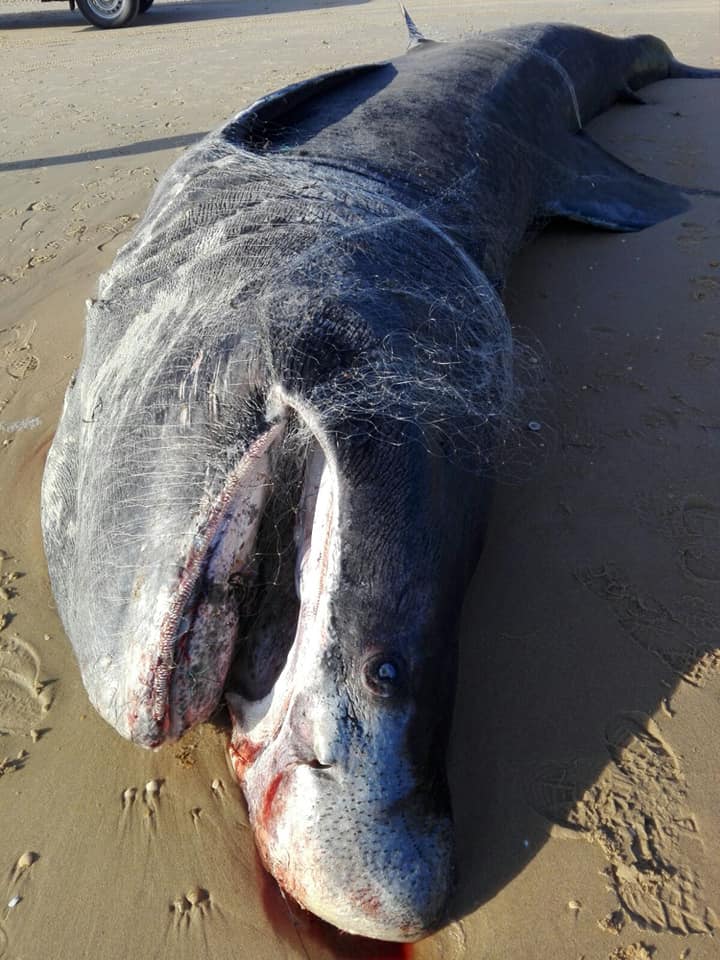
(281, 650)
(180, 682)
(343, 830)
(251, 616)
(251, 585)
(275, 738)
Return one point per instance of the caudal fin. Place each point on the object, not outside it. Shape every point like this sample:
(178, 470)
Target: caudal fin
(684, 71)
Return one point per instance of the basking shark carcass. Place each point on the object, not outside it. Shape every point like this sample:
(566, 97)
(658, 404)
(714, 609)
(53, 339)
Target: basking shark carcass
(272, 472)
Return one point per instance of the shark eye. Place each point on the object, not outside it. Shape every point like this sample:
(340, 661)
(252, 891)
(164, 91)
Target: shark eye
(384, 675)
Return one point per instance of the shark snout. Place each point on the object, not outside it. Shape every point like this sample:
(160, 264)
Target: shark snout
(375, 869)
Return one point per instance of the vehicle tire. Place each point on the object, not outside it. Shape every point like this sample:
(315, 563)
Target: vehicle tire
(145, 5)
(109, 13)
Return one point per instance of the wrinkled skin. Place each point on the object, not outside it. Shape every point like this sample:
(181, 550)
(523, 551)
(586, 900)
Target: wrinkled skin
(301, 359)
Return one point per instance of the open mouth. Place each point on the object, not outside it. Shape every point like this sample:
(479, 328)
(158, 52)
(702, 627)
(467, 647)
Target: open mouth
(250, 590)
(289, 631)
(181, 682)
(251, 616)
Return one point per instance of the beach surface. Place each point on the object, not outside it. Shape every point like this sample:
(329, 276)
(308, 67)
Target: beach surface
(585, 757)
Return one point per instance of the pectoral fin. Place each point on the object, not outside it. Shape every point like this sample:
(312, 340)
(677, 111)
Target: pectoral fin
(599, 189)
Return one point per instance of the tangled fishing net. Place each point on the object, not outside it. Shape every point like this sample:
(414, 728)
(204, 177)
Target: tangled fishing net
(319, 279)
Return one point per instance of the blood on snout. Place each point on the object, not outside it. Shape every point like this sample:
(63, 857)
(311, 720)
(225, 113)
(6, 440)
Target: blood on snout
(288, 919)
(269, 798)
(243, 754)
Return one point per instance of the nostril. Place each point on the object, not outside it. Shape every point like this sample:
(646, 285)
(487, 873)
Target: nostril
(316, 765)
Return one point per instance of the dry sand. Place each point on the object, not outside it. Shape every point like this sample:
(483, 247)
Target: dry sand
(585, 752)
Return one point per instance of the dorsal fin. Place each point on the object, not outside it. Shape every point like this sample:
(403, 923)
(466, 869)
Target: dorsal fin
(415, 38)
(250, 126)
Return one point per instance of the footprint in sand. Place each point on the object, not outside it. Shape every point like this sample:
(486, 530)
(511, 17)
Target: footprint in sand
(692, 523)
(18, 361)
(705, 288)
(700, 559)
(692, 233)
(18, 877)
(16, 340)
(116, 228)
(700, 517)
(683, 637)
(21, 365)
(24, 699)
(218, 790)
(141, 805)
(193, 907)
(637, 813)
(22, 866)
(634, 951)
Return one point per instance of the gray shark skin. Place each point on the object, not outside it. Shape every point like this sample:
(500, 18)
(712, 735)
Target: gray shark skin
(272, 472)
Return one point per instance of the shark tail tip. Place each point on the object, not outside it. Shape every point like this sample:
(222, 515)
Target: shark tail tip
(684, 71)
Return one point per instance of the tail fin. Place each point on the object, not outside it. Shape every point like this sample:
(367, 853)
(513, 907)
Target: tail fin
(414, 36)
(682, 70)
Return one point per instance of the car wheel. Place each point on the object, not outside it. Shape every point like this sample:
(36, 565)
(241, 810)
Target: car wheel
(109, 13)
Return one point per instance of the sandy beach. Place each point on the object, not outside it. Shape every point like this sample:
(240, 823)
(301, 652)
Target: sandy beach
(585, 756)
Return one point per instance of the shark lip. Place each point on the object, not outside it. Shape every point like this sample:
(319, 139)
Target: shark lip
(245, 753)
(153, 717)
(182, 682)
(260, 723)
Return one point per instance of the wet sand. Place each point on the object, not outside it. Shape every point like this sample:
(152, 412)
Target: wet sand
(585, 752)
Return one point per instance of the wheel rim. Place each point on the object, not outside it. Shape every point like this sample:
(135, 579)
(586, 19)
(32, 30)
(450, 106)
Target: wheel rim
(107, 9)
